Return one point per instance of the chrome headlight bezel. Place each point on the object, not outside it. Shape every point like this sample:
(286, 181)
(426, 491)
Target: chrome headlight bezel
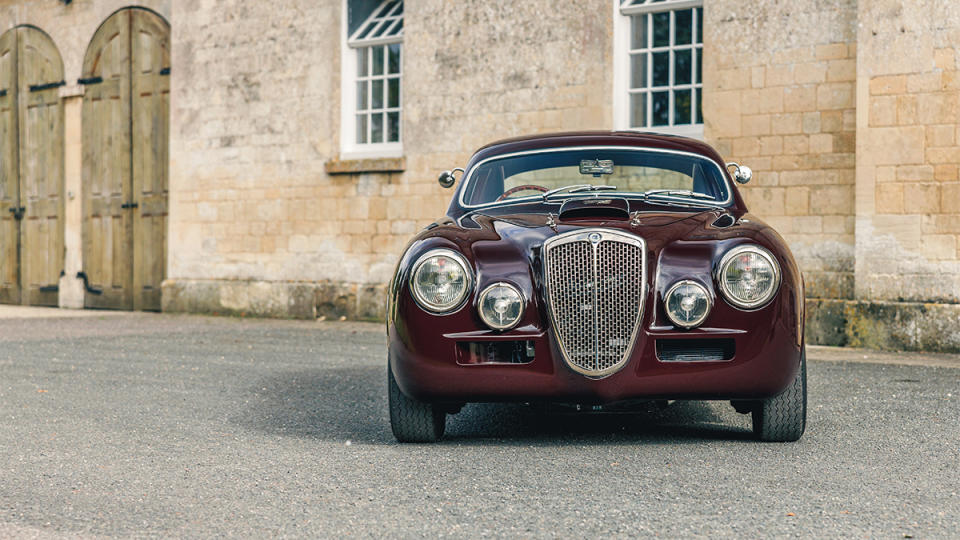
(687, 325)
(722, 270)
(431, 307)
(483, 295)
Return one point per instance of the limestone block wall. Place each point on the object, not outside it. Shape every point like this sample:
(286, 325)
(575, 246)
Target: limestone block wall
(779, 96)
(259, 224)
(908, 198)
(252, 121)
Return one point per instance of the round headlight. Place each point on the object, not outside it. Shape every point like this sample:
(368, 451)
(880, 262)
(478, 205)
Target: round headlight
(440, 281)
(748, 276)
(687, 303)
(500, 306)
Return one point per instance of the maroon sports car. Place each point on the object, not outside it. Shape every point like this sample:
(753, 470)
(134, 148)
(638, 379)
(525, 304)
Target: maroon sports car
(595, 268)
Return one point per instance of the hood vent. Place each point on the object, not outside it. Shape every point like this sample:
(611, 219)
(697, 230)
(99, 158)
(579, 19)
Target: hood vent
(724, 221)
(595, 208)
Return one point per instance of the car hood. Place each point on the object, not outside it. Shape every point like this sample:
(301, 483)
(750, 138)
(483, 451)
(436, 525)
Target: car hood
(500, 235)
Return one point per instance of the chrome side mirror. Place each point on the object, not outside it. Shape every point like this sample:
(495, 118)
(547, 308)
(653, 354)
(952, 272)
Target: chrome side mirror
(447, 179)
(742, 174)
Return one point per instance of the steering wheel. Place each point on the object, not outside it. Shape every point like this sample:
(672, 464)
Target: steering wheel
(524, 187)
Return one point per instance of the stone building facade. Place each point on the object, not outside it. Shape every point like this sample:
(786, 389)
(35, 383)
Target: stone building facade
(847, 111)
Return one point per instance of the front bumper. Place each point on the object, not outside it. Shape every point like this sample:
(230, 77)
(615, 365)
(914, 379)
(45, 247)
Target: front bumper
(424, 360)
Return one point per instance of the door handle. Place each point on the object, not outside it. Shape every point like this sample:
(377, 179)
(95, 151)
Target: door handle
(18, 212)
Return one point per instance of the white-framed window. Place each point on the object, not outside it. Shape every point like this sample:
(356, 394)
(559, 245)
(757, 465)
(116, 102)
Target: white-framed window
(658, 73)
(371, 82)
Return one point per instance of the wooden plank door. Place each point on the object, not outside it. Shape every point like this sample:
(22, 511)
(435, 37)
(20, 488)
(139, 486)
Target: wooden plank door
(9, 172)
(125, 160)
(150, 128)
(107, 186)
(41, 167)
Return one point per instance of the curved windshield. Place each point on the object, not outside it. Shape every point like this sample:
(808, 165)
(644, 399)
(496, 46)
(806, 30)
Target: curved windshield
(587, 171)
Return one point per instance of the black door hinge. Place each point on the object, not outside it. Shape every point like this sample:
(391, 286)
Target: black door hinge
(18, 212)
(165, 71)
(53, 288)
(129, 205)
(39, 87)
(90, 80)
(3, 92)
(86, 283)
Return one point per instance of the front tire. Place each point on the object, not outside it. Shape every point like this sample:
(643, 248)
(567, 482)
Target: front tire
(783, 418)
(412, 420)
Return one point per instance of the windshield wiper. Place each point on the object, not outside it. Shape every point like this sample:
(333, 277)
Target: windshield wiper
(679, 193)
(576, 188)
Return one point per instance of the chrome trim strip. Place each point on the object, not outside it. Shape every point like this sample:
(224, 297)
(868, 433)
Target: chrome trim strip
(427, 306)
(725, 260)
(582, 235)
(706, 293)
(465, 182)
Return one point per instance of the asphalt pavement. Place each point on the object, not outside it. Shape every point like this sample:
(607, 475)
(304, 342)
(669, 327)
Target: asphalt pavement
(148, 425)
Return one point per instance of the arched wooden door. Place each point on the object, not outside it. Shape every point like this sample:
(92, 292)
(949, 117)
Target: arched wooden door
(31, 167)
(125, 147)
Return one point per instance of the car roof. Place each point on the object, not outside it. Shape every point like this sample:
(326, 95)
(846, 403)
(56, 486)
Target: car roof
(597, 138)
(637, 139)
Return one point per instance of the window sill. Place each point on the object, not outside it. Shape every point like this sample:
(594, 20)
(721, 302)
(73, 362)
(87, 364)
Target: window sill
(369, 165)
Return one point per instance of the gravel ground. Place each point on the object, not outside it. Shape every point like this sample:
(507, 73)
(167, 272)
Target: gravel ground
(149, 425)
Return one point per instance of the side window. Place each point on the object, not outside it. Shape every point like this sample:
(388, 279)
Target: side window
(372, 79)
(660, 58)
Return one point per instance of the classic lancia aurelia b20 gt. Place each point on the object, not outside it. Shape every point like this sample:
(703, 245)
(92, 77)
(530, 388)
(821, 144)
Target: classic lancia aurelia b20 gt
(596, 268)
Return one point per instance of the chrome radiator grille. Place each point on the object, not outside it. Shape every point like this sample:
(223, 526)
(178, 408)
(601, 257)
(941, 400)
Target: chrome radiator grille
(596, 282)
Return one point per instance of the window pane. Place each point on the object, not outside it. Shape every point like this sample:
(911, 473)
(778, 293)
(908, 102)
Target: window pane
(683, 31)
(638, 70)
(681, 67)
(661, 69)
(681, 107)
(393, 93)
(379, 29)
(698, 76)
(393, 127)
(361, 128)
(366, 31)
(661, 109)
(376, 97)
(361, 95)
(638, 32)
(386, 9)
(697, 99)
(661, 29)
(638, 110)
(394, 58)
(378, 60)
(376, 128)
(700, 25)
(362, 61)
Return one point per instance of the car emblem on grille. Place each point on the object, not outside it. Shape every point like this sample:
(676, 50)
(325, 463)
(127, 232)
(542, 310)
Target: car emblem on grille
(594, 238)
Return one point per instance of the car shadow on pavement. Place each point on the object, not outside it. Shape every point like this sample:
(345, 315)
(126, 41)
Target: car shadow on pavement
(349, 404)
(681, 421)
